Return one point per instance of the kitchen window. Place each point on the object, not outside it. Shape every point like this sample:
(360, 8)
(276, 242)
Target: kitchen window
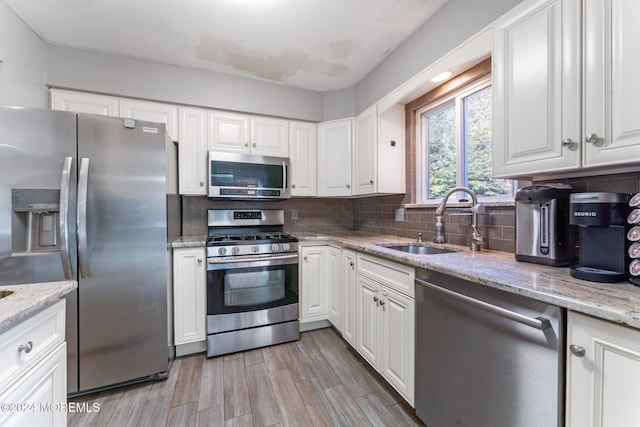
(454, 143)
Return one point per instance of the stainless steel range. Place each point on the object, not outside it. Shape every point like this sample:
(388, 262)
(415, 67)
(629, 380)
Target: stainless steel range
(252, 281)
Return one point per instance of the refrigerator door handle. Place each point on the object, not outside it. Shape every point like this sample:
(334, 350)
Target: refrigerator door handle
(83, 189)
(64, 218)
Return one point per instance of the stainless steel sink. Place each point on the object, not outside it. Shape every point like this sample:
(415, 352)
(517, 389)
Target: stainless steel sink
(5, 294)
(420, 249)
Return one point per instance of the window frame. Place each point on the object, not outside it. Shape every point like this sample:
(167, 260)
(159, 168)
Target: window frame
(454, 99)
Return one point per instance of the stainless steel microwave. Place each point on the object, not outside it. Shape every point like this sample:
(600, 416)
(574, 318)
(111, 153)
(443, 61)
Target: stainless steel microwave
(242, 176)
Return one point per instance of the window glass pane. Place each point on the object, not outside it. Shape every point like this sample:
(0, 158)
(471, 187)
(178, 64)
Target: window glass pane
(441, 153)
(477, 141)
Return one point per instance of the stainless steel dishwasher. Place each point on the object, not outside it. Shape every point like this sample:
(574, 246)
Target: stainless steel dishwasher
(486, 357)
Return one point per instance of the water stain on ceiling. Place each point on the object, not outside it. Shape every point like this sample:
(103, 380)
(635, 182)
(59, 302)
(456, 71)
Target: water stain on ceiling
(271, 66)
(319, 45)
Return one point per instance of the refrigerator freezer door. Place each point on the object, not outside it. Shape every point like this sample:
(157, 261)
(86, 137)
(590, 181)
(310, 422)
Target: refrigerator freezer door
(122, 297)
(37, 148)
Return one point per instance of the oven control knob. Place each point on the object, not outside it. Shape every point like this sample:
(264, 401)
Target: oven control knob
(286, 247)
(235, 250)
(255, 248)
(222, 251)
(275, 247)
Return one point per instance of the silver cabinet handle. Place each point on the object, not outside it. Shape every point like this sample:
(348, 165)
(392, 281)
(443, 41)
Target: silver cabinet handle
(83, 190)
(293, 186)
(351, 264)
(201, 183)
(305, 258)
(577, 350)
(348, 186)
(591, 138)
(199, 260)
(65, 189)
(375, 299)
(26, 347)
(381, 302)
(246, 144)
(538, 323)
(371, 181)
(568, 142)
(253, 145)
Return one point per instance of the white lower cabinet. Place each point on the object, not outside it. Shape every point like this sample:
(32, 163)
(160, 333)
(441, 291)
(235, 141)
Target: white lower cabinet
(603, 373)
(189, 296)
(33, 371)
(350, 293)
(335, 288)
(385, 321)
(313, 291)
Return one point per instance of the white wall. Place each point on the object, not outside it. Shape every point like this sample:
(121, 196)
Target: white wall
(117, 75)
(22, 63)
(455, 22)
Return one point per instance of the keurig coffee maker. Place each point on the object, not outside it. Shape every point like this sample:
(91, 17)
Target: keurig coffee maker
(602, 220)
(543, 235)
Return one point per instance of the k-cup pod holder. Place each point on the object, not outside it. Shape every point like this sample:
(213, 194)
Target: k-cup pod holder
(634, 237)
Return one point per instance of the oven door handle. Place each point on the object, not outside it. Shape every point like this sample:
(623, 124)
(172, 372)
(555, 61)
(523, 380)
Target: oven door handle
(244, 262)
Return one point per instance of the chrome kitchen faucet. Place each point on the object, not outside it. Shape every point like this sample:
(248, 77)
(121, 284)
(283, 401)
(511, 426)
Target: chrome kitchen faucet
(476, 238)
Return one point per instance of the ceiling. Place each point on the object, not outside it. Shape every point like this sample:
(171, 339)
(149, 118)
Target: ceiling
(312, 44)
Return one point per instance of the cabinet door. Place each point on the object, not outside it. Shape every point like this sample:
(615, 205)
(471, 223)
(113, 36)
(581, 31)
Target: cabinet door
(313, 288)
(391, 151)
(335, 287)
(229, 132)
(349, 312)
(269, 137)
(43, 384)
(334, 158)
(612, 87)
(364, 152)
(368, 335)
(398, 341)
(192, 151)
(536, 89)
(81, 102)
(152, 112)
(189, 295)
(302, 161)
(603, 385)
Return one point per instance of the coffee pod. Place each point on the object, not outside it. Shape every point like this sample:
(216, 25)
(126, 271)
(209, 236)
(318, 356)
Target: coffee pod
(634, 234)
(634, 217)
(634, 268)
(634, 250)
(635, 201)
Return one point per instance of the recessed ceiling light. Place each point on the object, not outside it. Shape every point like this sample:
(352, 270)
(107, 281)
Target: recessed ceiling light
(441, 77)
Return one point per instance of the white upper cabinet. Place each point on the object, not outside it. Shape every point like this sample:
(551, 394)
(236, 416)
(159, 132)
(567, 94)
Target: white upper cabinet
(611, 128)
(82, 102)
(152, 112)
(334, 158)
(565, 86)
(536, 87)
(303, 157)
(364, 152)
(239, 133)
(192, 151)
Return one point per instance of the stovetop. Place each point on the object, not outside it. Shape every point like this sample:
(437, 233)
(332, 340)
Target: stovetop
(249, 239)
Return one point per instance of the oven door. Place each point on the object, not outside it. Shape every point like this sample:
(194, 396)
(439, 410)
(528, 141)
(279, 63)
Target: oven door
(242, 284)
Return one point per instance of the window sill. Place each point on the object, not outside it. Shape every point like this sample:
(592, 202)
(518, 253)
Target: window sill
(489, 202)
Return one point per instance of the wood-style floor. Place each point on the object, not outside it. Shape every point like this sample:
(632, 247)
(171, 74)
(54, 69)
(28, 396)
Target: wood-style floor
(317, 381)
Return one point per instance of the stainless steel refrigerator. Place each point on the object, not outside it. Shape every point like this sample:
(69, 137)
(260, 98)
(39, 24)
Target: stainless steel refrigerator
(83, 197)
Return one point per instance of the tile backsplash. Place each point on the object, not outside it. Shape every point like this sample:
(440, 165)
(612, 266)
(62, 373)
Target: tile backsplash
(377, 214)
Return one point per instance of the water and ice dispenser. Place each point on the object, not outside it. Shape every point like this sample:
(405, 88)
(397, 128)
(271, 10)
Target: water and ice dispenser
(35, 221)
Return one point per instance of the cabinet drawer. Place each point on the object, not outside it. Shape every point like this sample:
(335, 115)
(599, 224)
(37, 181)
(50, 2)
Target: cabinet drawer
(396, 276)
(30, 340)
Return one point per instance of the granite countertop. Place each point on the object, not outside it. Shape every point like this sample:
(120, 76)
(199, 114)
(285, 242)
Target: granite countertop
(28, 299)
(617, 302)
(189, 241)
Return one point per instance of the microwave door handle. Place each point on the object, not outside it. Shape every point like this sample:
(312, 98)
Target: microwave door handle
(284, 177)
(64, 218)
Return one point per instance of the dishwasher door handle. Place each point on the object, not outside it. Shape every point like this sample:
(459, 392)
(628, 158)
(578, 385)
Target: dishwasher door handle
(538, 322)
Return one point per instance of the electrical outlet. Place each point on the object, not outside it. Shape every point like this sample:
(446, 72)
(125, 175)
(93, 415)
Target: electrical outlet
(400, 214)
(294, 214)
